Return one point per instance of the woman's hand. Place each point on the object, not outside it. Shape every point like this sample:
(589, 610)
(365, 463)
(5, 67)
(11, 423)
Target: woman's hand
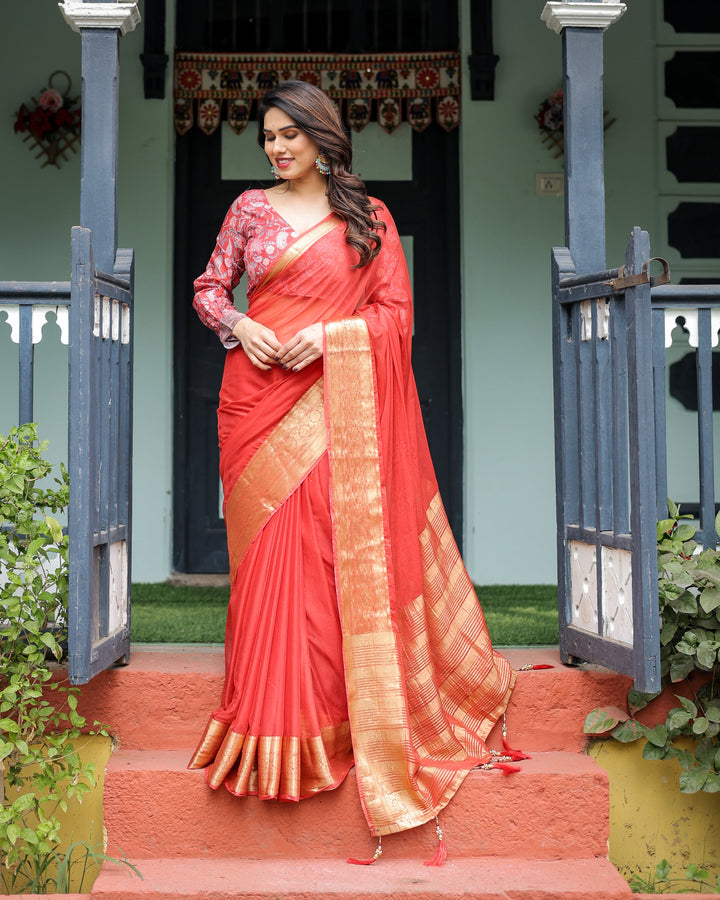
(302, 349)
(259, 343)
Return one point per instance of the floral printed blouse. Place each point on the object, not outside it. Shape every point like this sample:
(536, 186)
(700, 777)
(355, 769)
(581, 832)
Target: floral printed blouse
(252, 237)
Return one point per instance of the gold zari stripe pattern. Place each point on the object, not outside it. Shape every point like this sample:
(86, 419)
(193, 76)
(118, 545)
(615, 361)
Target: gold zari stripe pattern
(376, 700)
(288, 767)
(289, 452)
(418, 719)
(465, 681)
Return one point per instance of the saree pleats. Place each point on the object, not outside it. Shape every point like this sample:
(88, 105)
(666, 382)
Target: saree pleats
(284, 707)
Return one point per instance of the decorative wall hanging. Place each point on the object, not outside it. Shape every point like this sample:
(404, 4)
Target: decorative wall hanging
(51, 124)
(401, 86)
(550, 122)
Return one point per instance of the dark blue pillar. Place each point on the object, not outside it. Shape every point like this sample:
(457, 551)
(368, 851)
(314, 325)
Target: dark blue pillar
(98, 178)
(584, 152)
(582, 24)
(100, 23)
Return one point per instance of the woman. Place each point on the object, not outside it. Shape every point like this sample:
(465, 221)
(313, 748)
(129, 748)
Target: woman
(353, 634)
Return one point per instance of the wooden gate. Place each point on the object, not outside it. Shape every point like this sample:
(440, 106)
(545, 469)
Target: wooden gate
(100, 460)
(605, 446)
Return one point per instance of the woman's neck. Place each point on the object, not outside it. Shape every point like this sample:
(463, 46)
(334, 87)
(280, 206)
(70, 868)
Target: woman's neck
(312, 185)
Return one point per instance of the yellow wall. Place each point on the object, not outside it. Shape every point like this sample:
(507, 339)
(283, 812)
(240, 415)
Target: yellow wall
(83, 821)
(650, 820)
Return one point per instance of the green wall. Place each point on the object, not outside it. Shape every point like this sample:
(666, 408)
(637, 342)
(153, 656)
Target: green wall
(507, 234)
(38, 207)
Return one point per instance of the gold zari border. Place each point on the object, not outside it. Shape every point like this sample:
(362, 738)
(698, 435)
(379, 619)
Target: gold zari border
(289, 452)
(423, 691)
(272, 766)
(376, 697)
(210, 741)
(296, 250)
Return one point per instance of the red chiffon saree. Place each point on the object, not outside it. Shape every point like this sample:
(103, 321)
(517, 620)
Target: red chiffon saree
(354, 635)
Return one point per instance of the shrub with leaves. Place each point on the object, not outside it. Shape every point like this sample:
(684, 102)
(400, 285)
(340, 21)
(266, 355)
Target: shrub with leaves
(695, 879)
(689, 595)
(39, 723)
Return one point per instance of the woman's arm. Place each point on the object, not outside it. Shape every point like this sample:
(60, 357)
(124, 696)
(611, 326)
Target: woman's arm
(213, 299)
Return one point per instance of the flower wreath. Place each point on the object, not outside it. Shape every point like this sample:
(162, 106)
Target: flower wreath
(51, 124)
(550, 120)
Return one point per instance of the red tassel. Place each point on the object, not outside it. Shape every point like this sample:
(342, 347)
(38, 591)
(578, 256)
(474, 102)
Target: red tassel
(543, 666)
(440, 855)
(515, 755)
(441, 852)
(368, 862)
(505, 768)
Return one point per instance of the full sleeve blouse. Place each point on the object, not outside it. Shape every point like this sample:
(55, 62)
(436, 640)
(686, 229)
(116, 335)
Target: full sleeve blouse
(251, 238)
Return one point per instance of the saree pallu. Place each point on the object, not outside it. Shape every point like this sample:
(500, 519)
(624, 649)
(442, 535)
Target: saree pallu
(354, 632)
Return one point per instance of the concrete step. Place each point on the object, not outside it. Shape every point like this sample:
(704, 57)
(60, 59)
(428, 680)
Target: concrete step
(291, 879)
(154, 807)
(163, 698)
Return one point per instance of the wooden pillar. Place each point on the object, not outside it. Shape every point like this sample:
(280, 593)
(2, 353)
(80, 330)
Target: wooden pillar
(582, 23)
(100, 25)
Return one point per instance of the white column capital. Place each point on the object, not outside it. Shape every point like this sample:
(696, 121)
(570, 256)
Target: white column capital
(123, 16)
(581, 14)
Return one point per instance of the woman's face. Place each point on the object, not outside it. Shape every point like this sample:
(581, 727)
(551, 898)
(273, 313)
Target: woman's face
(288, 148)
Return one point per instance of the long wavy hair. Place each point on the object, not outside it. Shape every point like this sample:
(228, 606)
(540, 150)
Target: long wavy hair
(315, 114)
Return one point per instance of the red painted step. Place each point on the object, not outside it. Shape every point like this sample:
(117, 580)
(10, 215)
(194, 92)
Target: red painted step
(538, 834)
(155, 807)
(163, 699)
(461, 879)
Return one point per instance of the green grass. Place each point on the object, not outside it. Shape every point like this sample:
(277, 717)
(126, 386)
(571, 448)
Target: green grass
(517, 615)
(520, 615)
(175, 614)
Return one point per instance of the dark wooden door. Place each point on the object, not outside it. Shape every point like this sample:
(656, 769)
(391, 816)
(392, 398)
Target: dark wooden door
(425, 207)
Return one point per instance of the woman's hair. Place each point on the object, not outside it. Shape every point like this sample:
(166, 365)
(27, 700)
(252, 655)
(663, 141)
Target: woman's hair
(315, 114)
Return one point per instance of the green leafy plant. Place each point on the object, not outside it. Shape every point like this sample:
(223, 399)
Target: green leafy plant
(40, 766)
(689, 594)
(59, 872)
(695, 879)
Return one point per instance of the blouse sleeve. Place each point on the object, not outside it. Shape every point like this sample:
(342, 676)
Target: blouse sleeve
(213, 299)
